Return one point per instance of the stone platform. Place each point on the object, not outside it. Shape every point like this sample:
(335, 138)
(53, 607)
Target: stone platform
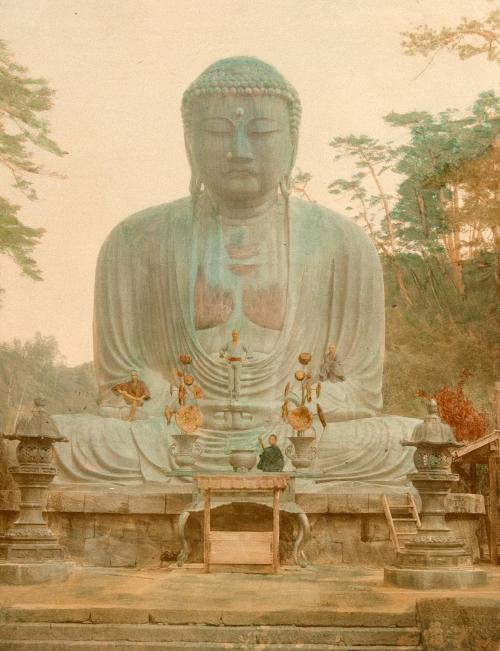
(316, 608)
(113, 526)
(28, 573)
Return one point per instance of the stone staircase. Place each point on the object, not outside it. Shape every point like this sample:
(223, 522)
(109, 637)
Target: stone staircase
(119, 629)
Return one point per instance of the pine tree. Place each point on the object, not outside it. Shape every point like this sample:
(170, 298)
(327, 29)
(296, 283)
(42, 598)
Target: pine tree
(23, 100)
(372, 159)
(468, 39)
(441, 206)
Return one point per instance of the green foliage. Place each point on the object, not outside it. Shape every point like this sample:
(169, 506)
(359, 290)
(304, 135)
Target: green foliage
(22, 129)
(18, 240)
(435, 195)
(33, 367)
(468, 39)
(372, 159)
(439, 242)
(298, 184)
(431, 341)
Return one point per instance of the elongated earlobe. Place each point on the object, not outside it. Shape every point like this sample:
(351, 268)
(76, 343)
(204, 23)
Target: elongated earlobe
(195, 186)
(285, 184)
(195, 190)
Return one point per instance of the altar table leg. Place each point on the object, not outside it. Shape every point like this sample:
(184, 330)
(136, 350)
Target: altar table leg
(184, 553)
(299, 555)
(276, 530)
(206, 532)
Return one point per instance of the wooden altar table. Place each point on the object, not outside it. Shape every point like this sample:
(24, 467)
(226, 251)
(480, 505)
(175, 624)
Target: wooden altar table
(274, 490)
(241, 547)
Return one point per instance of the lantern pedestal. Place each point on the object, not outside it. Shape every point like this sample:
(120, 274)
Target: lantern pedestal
(29, 573)
(428, 579)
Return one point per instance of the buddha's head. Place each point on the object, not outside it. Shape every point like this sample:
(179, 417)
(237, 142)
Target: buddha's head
(241, 120)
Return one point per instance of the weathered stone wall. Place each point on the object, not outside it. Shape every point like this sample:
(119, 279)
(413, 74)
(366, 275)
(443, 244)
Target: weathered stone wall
(138, 527)
(459, 624)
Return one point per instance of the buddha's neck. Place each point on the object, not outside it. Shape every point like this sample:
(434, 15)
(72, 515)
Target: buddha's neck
(231, 214)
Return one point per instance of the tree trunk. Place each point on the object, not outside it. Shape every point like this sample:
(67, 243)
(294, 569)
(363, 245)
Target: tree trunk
(390, 229)
(452, 242)
(400, 280)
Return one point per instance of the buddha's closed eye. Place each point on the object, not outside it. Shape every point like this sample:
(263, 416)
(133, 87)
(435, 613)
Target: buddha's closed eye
(218, 125)
(257, 126)
(263, 126)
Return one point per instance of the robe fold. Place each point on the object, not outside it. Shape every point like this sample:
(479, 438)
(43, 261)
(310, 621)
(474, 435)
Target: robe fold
(144, 319)
(144, 307)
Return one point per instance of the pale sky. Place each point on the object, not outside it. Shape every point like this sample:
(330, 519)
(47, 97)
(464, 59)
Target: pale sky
(119, 68)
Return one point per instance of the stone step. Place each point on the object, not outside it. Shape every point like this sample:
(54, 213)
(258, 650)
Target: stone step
(43, 645)
(213, 617)
(221, 634)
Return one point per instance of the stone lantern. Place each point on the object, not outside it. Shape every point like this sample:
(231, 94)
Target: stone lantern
(29, 551)
(434, 558)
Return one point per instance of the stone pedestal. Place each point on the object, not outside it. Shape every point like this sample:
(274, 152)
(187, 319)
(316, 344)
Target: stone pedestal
(435, 558)
(29, 551)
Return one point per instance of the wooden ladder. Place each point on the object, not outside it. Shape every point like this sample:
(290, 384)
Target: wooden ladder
(401, 513)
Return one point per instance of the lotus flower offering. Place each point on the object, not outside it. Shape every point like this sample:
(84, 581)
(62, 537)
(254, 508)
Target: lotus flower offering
(302, 450)
(301, 418)
(185, 447)
(188, 416)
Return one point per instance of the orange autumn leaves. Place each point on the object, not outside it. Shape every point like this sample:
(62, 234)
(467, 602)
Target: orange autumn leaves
(458, 411)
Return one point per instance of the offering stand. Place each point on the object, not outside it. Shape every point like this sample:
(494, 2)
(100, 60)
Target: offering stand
(274, 490)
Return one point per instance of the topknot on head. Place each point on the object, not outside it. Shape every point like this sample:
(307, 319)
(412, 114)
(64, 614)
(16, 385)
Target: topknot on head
(242, 75)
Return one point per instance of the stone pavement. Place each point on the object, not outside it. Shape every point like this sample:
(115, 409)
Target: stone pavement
(320, 607)
(190, 590)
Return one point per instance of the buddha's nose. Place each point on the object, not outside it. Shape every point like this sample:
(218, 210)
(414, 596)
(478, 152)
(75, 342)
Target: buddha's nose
(241, 150)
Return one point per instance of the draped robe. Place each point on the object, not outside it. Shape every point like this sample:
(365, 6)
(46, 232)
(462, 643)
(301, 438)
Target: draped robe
(144, 319)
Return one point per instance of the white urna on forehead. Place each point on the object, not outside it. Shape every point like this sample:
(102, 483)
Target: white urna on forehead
(242, 77)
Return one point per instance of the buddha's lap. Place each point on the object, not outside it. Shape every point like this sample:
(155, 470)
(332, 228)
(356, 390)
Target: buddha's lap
(102, 444)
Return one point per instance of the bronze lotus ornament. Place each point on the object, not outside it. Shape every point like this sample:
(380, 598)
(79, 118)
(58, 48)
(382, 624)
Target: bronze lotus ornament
(189, 418)
(188, 415)
(305, 358)
(301, 418)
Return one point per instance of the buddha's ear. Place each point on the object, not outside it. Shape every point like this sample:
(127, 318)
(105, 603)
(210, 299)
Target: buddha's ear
(189, 149)
(293, 154)
(195, 184)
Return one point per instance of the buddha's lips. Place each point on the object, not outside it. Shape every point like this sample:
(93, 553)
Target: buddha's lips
(244, 269)
(241, 173)
(242, 252)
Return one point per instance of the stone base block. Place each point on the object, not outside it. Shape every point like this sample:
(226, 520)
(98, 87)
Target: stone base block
(428, 579)
(136, 527)
(29, 573)
(34, 551)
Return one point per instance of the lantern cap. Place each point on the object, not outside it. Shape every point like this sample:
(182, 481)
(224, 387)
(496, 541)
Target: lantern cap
(433, 430)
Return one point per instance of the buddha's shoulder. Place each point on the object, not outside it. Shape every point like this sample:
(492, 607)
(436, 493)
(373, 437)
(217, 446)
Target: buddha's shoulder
(329, 226)
(150, 221)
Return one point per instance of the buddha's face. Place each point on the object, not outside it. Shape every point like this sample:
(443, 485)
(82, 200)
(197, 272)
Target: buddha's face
(241, 146)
